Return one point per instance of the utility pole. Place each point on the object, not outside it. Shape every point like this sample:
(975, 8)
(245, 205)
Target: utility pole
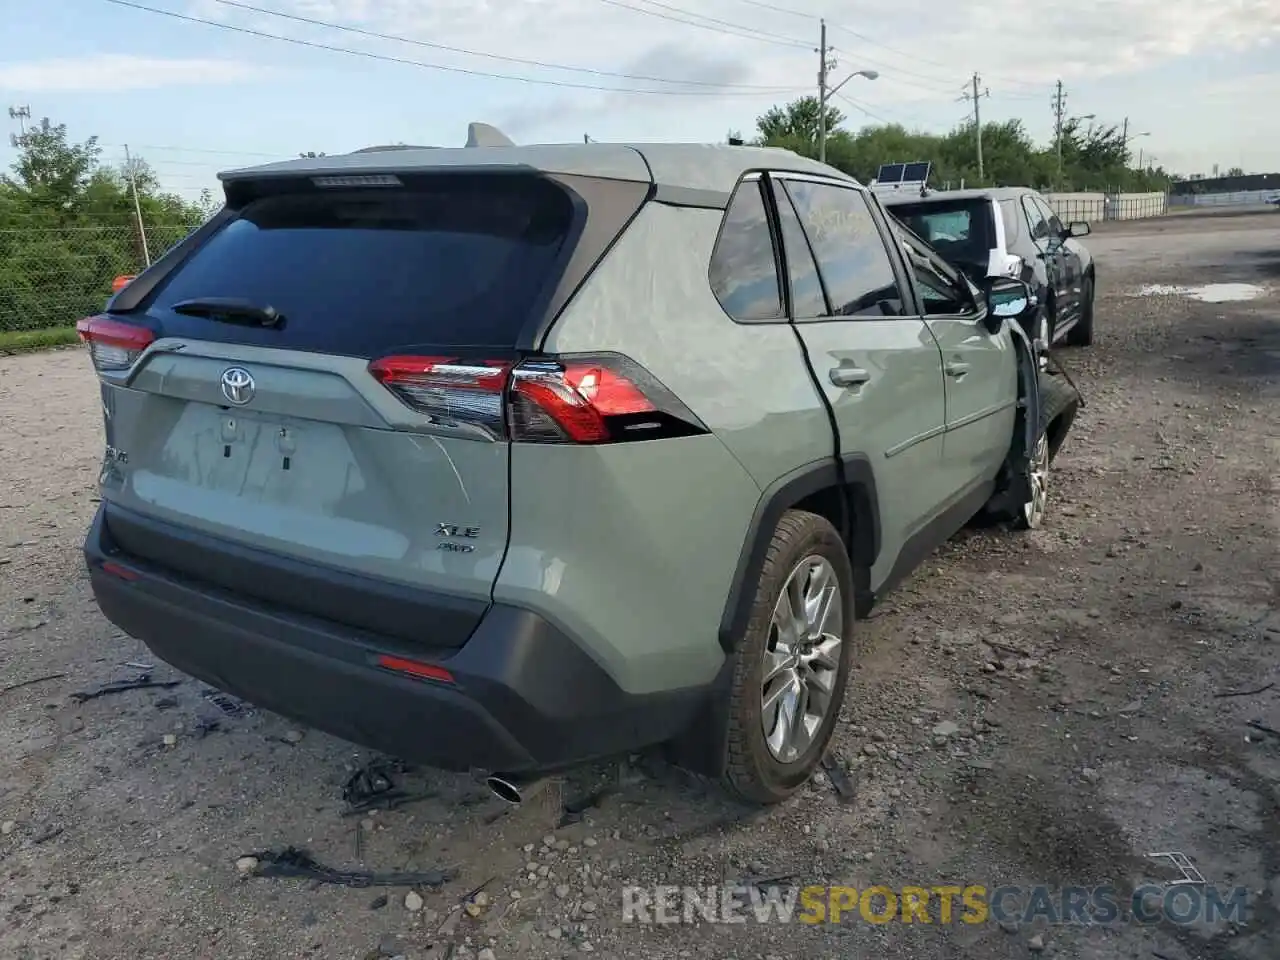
(823, 50)
(1059, 114)
(22, 115)
(137, 205)
(975, 96)
(825, 66)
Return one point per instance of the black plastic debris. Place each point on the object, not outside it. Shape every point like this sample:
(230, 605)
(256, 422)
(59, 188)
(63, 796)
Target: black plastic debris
(205, 726)
(228, 704)
(841, 779)
(576, 808)
(296, 863)
(373, 787)
(141, 682)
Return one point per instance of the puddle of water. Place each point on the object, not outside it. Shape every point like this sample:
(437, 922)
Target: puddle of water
(1209, 293)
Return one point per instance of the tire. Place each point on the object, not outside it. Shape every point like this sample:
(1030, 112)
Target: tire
(762, 766)
(1058, 400)
(1081, 335)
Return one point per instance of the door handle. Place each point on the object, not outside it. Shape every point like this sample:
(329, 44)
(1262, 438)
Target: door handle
(844, 376)
(956, 369)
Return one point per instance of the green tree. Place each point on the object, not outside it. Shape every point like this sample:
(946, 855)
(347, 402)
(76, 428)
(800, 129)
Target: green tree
(1093, 158)
(50, 168)
(797, 122)
(69, 225)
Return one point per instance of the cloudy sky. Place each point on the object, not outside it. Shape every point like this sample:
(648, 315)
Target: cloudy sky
(1200, 77)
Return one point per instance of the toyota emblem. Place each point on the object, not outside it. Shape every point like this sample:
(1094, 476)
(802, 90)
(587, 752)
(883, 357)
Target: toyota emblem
(237, 385)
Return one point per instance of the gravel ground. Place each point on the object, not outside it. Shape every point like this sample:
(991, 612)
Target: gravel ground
(1028, 709)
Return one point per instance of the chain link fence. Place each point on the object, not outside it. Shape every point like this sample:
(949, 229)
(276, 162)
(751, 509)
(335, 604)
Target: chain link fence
(54, 276)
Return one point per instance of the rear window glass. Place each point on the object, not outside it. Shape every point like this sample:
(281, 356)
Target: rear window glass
(458, 262)
(961, 231)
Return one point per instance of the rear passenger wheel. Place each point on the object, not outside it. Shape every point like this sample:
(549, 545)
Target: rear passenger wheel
(1038, 476)
(793, 663)
(1057, 401)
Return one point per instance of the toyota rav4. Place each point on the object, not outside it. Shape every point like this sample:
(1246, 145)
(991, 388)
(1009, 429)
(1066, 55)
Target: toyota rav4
(508, 458)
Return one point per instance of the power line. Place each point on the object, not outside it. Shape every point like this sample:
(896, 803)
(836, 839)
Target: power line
(404, 61)
(864, 109)
(866, 39)
(715, 25)
(777, 9)
(479, 53)
(232, 153)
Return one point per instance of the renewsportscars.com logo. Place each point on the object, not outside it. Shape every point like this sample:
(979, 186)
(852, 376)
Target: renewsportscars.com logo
(1181, 904)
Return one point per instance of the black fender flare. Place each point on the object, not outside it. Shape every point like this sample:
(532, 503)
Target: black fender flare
(779, 497)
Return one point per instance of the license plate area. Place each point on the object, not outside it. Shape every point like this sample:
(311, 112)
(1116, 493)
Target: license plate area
(303, 465)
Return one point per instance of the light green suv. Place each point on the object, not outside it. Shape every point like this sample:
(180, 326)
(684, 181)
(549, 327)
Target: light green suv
(508, 458)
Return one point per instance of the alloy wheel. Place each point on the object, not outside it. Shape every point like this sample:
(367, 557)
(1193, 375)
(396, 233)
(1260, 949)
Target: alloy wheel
(802, 659)
(1034, 509)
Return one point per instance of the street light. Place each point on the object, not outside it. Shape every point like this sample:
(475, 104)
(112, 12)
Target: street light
(826, 92)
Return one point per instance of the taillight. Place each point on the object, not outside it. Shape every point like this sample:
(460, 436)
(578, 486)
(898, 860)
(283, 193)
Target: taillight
(119, 283)
(448, 390)
(598, 398)
(113, 344)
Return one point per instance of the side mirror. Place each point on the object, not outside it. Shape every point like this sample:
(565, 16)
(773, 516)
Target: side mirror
(1078, 228)
(1008, 299)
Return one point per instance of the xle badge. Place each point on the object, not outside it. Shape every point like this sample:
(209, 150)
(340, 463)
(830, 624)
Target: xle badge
(452, 530)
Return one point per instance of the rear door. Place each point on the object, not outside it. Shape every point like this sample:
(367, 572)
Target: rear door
(1049, 249)
(326, 390)
(1069, 261)
(877, 363)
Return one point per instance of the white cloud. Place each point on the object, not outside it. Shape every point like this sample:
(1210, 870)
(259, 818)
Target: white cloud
(938, 43)
(110, 73)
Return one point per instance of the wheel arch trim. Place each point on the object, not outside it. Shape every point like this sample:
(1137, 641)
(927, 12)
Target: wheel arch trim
(784, 494)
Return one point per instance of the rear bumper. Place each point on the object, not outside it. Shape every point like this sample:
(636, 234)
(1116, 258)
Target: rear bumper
(525, 698)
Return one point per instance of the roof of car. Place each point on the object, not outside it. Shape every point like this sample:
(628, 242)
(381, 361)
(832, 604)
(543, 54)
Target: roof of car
(716, 167)
(938, 196)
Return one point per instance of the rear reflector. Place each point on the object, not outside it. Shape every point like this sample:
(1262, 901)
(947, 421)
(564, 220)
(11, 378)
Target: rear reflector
(415, 668)
(598, 398)
(124, 573)
(113, 344)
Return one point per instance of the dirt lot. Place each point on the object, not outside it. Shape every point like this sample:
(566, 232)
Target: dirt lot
(1037, 709)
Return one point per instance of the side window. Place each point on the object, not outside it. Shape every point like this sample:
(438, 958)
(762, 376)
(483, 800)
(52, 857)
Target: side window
(1035, 220)
(1055, 225)
(807, 297)
(942, 290)
(1012, 222)
(851, 254)
(744, 272)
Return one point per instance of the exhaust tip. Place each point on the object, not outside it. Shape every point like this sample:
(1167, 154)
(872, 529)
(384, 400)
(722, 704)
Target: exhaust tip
(514, 789)
(504, 789)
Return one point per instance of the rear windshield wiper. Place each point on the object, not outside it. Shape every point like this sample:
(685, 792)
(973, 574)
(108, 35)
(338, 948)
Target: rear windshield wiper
(230, 310)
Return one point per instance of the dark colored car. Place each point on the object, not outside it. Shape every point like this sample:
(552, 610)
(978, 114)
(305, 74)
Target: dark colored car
(1010, 232)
